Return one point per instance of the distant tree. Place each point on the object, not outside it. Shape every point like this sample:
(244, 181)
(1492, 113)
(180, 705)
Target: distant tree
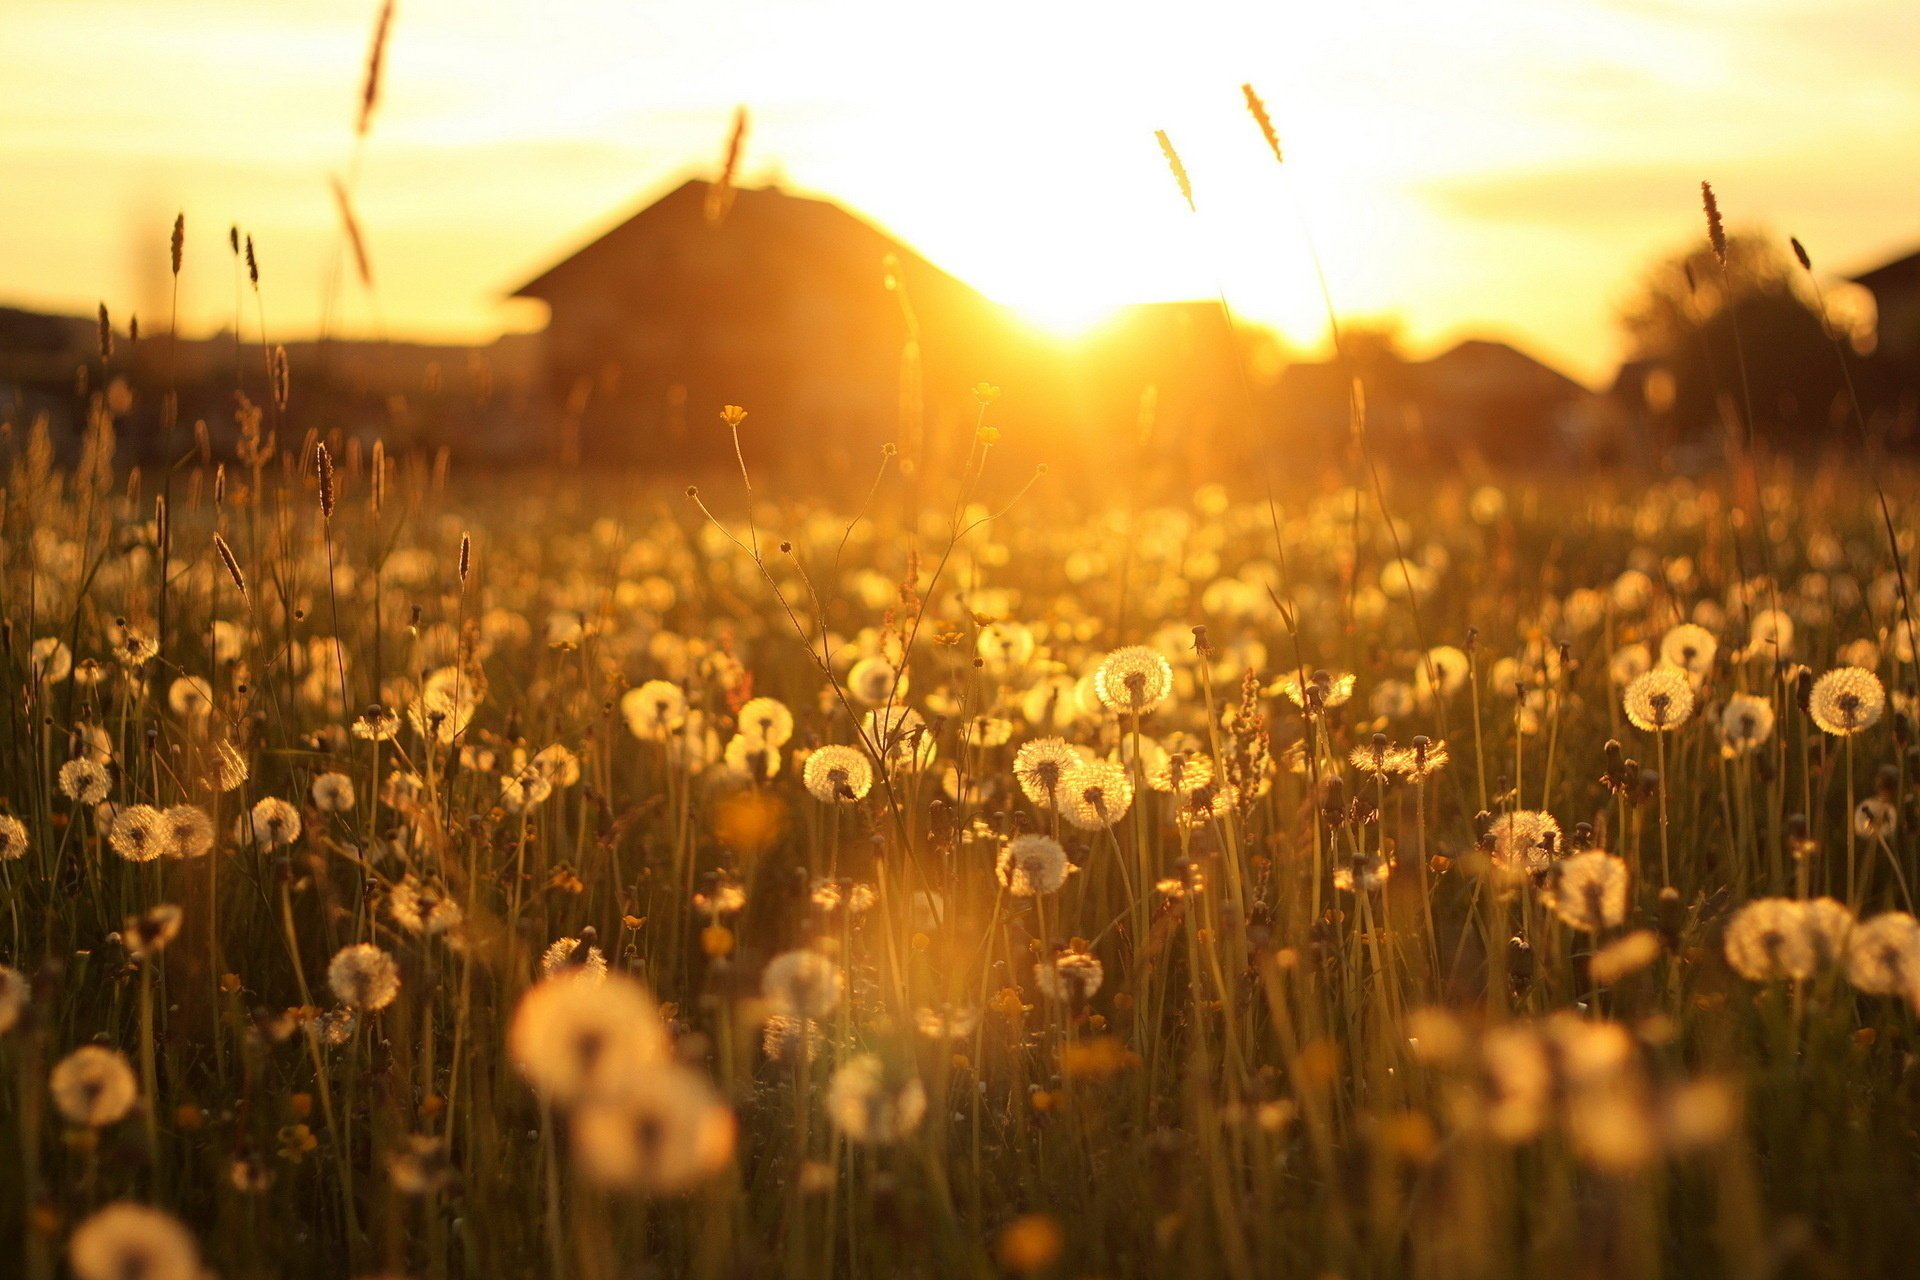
(1697, 321)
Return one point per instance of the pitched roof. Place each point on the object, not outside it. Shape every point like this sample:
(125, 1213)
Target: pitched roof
(816, 232)
(1900, 271)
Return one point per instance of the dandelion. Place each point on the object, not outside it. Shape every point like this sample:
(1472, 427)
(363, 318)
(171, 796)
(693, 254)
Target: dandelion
(1745, 724)
(1320, 691)
(663, 1131)
(1367, 873)
(1420, 759)
(1094, 794)
(376, 723)
(1690, 647)
(1032, 865)
(1770, 634)
(524, 790)
(94, 1086)
(127, 1241)
(654, 710)
(1883, 956)
(148, 935)
(1523, 841)
(574, 1039)
(1874, 819)
(569, 957)
(1588, 891)
(423, 909)
(767, 722)
(838, 774)
(1767, 940)
(190, 698)
(364, 976)
(13, 838)
(1624, 957)
(1846, 700)
(1133, 681)
(867, 1109)
(272, 823)
(49, 660)
(802, 984)
(1070, 977)
(873, 682)
(1444, 669)
(1039, 765)
(85, 781)
(140, 833)
(333, 793)
(1659, 700)
(944, 1023)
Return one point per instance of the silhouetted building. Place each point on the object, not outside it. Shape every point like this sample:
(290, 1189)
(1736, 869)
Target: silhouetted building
(1895, 287)
(780, 304)
(1478, 398)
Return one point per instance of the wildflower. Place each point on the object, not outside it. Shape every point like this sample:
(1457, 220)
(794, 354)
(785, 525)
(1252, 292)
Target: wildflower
(571, 956)
(49, 660)
(1133, 681)
(1094, 794)
(364, 976)
(1588, 891)
(127, 1241)
(767, 721)
(189, 831)
(663, 1131)
(13, 838)
(1883, 956)
(1659, 700)
(1519, 1082)
(422, 909)
(527, 789)
(1375, 758)
(1874, 819)
(944, 1023)
(873, 682)
(1443, 668)
(271, 824)
(140, 833)
(421, 1167)
(1420, 759)
(1846, 700)
(1182, 774)
(1031, 1243)
(1767, 940)
(784, 1038)
(654, 709)
(1322, 690)
(1367, 873)
(843, 895)
(190, 698)
(376, 723)
(1771, 634)
(1523, 840)
(1031, 865)
(1624, 957)
(901, 736)
(1039, 765)
(1690, 647)
(1070, 977)
(148, 935)
(838, 774)
(1628, 663)
(866, 1109)
(94, 1086)
(85, 780)
(802, 984)
(1745, 724)
(574, 1039)
(333, 793)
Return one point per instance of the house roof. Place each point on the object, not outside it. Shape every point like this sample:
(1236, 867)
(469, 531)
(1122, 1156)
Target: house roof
(1899, 272)
(816, 231)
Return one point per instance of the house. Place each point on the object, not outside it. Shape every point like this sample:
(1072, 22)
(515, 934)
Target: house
(1478, 398)
(816, 321)
(1895, 287)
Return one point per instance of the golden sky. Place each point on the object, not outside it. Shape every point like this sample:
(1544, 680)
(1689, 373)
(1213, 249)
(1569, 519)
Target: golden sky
(1502, 167)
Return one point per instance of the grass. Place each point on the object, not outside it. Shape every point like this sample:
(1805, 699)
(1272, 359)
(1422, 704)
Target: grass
(647, 995)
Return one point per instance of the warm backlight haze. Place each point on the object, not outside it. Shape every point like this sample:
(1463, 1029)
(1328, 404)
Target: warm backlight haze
(1486, 167)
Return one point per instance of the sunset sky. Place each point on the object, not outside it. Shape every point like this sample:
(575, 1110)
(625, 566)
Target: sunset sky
(1481, 166)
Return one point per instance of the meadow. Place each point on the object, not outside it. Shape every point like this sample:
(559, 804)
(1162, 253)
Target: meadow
(407, 874)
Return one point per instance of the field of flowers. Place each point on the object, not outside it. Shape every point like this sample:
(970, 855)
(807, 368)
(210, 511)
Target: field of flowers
(411, 876)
